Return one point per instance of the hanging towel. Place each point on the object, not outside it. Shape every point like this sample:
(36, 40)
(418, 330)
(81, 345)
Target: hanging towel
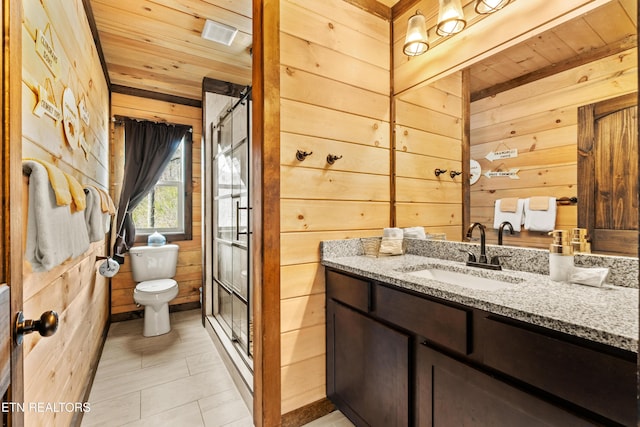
(106, 204)
(540, 220)
(54, 234)
(58, 180)
(93, 215)
(539, 203)
(515, 218)
(78, 197)
(509, 204)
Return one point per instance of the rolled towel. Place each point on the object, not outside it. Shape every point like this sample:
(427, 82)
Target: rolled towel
(415, 233)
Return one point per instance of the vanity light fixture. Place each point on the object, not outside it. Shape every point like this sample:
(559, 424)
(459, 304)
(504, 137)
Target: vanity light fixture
(484, 7)
(450, 18)
(417, 41)
(219, 32)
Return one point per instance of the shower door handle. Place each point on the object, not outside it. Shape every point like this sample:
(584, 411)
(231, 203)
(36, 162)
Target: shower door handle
(238, 209)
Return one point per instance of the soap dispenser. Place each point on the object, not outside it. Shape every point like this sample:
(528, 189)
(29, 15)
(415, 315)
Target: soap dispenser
(560, 256)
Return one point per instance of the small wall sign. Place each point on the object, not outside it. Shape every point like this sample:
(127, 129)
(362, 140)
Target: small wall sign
(44, 48)
(47, 102)
(84, 112)
(504, 154)
(511, 173)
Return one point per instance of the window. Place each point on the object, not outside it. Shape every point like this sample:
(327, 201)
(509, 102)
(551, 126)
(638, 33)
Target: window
(167, 208)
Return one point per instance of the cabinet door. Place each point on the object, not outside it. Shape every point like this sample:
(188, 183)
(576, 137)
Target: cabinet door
(450, 393)
(367, 368)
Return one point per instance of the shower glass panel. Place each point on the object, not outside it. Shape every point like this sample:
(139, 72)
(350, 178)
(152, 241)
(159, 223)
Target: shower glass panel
(231, 262)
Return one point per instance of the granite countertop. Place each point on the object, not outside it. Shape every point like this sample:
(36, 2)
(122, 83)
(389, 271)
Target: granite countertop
(607, 315)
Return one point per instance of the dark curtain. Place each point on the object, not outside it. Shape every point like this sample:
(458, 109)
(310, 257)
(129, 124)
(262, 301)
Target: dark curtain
(148, 149)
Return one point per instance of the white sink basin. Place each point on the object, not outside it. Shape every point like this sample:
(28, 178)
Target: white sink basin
(462, 279)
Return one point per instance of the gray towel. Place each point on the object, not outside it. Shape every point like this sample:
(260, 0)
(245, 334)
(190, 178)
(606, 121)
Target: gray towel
(54, 234)
(93, 215)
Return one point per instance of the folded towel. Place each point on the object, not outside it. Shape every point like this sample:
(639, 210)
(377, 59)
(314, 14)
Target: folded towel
(93, 215)
(54, 233)
(393, 233)
(78, 197)
(509, 204)
(414, 233)
(540, 220)
(588, 276)
(58, 180)
(515, 218)
(540, 203)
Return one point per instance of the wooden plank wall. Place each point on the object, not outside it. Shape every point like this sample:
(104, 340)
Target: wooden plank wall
(428, 136)
(335, 85)
(57, 369)
(189, 269)
(540, 120)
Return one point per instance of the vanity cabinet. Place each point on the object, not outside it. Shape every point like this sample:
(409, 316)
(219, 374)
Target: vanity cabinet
(367, 361)
(398, 358)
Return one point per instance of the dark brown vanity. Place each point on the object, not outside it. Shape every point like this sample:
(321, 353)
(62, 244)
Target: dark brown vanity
(398, 357)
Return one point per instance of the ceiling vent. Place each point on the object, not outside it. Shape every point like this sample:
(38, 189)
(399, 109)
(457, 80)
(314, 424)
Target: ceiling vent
(219, 32)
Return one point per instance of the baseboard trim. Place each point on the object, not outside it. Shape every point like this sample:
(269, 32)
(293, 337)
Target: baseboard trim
(77, 416)
(139, 314)
(308, 413)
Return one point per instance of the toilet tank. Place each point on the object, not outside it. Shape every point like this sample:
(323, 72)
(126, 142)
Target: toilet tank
(153, 262)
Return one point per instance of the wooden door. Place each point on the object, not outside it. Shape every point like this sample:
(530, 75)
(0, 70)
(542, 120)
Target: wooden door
(608, 174)
(11, 232)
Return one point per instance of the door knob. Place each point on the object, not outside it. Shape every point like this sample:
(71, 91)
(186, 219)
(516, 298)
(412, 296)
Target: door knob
(46, 326)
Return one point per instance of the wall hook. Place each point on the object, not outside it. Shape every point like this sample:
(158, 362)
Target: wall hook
(439, 171)
(331, 158)
(301, 155)
(453, 174)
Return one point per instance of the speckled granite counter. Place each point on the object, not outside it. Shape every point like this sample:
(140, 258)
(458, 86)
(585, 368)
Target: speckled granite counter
(606, 315)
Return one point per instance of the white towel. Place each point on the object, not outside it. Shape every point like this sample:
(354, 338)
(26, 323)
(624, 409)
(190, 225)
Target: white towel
(54, 234)
(393, 233)
(515, 218)
(414, 233)
(93, 215)
(540, 220)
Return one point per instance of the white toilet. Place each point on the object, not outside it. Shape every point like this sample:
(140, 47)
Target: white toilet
(153, 268)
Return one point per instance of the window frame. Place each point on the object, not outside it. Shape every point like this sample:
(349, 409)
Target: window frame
(187, 210)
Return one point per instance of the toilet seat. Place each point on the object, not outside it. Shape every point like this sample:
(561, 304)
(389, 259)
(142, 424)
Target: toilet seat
(156, 286)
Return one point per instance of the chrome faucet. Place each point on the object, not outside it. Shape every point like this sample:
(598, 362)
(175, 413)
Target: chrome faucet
(483, 241)
(501, 230)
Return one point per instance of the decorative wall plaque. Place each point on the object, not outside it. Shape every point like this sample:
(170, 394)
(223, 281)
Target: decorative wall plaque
(44, 48)
(70, 118)
(47, 102)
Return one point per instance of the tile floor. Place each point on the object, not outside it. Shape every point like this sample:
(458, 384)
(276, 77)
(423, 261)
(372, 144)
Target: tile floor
(177, 379)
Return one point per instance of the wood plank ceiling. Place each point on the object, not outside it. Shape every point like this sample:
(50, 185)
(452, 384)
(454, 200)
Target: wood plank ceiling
(155, 45)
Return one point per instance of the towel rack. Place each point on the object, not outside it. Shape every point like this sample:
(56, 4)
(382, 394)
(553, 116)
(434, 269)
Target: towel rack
(563, 201)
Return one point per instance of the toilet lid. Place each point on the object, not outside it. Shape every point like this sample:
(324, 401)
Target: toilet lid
(154, 286)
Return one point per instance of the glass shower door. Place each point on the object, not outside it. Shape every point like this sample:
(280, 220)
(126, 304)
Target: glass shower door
(232, 284)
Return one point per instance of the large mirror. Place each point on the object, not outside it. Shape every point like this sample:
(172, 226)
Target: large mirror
(532, 109)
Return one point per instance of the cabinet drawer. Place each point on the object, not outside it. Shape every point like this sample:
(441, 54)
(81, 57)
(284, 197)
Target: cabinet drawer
(604, 383)
(353, 292)
(440, 323)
